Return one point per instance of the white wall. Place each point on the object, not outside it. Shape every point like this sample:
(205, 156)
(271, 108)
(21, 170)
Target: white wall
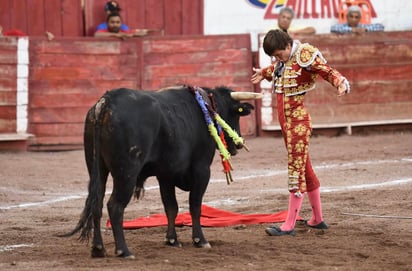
(240, 16)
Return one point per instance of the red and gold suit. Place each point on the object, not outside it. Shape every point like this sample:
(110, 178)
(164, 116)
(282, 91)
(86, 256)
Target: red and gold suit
(292, 80)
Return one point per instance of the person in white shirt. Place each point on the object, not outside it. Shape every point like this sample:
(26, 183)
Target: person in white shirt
(285, 18)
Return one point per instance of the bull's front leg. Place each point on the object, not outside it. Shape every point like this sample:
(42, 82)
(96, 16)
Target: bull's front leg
(168, 196)
(195, 202)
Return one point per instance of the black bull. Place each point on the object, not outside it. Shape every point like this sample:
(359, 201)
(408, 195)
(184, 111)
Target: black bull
(137, 134)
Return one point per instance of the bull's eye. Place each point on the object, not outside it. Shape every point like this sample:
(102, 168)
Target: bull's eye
(240, 109)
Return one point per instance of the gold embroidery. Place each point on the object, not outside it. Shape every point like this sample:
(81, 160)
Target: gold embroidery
(297, 132)
(291, 81)
(300, 146)
(298, 162)
(300, 129)
(306, 54)
(299, 113)
(269, 73)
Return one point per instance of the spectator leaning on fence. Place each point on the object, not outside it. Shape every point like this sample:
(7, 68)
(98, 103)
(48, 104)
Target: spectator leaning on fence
(114, 22)
(111, 7)
(114, 26)
(286, 15)
(113, 29)
(353, 24)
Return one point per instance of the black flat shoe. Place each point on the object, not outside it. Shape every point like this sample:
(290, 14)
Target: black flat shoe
(322, 225)
(275, 231)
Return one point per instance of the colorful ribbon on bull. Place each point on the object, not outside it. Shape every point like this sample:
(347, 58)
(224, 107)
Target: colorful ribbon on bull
(217, 133)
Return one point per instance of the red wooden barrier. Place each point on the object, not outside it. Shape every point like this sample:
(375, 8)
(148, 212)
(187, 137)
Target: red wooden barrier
(8, 84)
(67, 76)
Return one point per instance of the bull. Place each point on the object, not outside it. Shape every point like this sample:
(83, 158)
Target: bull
(137, 134)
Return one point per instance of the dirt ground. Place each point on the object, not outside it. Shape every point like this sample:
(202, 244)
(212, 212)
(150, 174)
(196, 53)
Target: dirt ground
(366, 196)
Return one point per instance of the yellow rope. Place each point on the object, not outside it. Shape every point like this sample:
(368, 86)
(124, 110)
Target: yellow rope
(222, 149)
(235, 137)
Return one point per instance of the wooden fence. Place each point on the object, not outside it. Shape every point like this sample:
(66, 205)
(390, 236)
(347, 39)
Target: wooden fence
(8, 85)
(67, 76)
(62, 78)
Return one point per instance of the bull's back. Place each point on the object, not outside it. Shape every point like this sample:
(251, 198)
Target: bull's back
(147, 113)
(162, 131)
(130, 124)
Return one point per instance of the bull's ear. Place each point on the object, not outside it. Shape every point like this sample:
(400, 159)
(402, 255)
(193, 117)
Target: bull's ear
(244, 109)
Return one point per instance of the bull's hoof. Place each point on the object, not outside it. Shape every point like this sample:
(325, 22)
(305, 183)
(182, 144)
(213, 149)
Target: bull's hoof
(173, 243)
(98, 252)
(198, 243)
(126, 255)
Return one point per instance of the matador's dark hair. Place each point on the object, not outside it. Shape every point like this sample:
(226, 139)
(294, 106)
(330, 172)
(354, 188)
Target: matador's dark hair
(276, 40)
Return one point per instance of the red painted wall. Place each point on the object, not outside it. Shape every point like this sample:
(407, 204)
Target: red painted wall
(35, 17)
(8, 84)
(378, 65)
(69, 18)
(67, 76)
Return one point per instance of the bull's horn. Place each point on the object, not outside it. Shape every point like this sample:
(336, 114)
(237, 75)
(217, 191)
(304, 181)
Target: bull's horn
(246, 96)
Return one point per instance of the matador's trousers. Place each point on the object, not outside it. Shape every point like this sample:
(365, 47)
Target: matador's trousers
(296, 128)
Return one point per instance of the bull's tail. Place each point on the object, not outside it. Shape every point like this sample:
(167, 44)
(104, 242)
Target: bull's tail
(92, 208)
(85, 224)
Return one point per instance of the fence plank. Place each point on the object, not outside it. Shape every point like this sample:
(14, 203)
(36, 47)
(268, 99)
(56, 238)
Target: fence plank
(173, 17)
(153, 16)
(192, 11)
(18, 17)
(52, 20)
(72, 18)
(5, 14)
(35, 17)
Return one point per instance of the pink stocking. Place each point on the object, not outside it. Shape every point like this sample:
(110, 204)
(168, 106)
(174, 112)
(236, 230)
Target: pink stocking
(314, 200)
(295, 203)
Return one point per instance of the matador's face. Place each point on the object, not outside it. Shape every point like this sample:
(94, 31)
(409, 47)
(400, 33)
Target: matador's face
(282, 55)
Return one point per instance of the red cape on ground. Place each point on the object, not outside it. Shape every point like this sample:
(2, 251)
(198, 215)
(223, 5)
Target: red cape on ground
(211, 217)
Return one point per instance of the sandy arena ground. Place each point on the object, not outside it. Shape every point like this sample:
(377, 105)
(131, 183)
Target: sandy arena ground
(366, 194)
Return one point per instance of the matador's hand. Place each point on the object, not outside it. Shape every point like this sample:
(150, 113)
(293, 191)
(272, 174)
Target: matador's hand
(257, 76)
(343, 87)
